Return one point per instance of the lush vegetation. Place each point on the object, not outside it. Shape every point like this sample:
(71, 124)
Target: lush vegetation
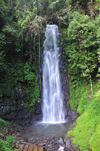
(86, 129)
(21, 43)
(3, 122)
(81, 44)
(5, 144)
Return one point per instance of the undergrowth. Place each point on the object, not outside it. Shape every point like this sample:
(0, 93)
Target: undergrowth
(86, 133)
(5, 144)
(10, 138)
(3, 122)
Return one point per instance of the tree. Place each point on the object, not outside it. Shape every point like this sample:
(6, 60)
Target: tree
(82, 47)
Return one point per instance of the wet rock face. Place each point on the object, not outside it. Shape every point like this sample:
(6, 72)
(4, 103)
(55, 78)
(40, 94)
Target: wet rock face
(6, 108)
(65, 84)
(37, 106)
(37, 113)
(70, 115)
(15, 111)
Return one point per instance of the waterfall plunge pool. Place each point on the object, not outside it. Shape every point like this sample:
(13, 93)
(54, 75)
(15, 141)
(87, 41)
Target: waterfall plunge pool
(50, 135)
(45, 130)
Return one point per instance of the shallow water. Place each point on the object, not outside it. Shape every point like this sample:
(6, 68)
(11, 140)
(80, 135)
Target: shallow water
(45, 130)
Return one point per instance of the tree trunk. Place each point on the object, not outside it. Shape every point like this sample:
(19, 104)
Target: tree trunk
(91, 9)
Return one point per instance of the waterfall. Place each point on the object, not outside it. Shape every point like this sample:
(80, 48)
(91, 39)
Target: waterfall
(52, 108)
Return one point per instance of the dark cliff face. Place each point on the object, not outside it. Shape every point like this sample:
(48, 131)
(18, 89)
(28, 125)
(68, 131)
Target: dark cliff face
(16, 112)
(64, 83)
(70, 115)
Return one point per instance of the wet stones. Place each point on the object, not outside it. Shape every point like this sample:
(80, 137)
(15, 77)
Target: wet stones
(49, 143)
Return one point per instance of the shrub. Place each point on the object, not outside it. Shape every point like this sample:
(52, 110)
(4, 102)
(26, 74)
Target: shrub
(10, 138)
(5, 146)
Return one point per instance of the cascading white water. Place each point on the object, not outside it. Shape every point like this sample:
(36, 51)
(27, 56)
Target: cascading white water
(52, 109)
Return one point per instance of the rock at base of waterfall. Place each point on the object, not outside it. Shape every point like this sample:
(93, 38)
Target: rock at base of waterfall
(61, 148)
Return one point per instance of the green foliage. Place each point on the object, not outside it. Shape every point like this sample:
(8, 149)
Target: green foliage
(79, 96)
(14, 43)
(31, 89)
(21, 81)
(3, 122)
(95, 140)
(14, 73)
(86, 132)
(53, 4)
(10, 139)
(29, 75)
(2, 54)
(2, 3)
(5, 146)
(75, 2)
(81, 46)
